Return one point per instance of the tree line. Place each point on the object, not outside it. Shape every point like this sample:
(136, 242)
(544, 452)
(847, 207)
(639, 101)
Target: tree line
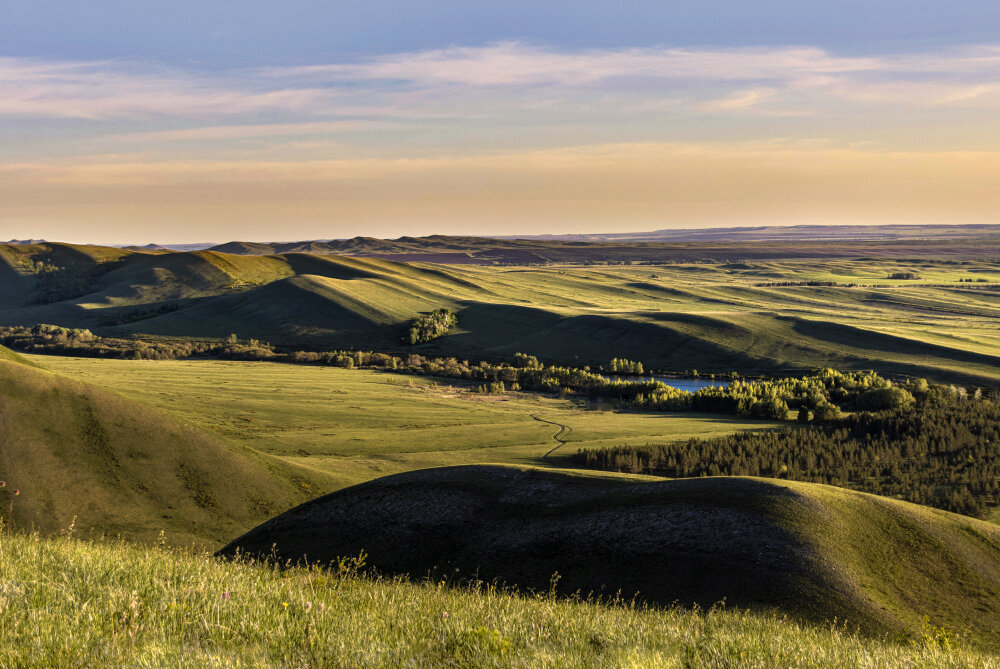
(942, 452)
(818, 397)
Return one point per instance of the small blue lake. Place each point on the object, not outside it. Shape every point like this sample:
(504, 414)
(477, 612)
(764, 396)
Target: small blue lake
(690, 385)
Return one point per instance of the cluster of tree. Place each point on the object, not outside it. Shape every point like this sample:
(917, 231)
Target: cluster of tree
(525, 361)
(789, 284)
(432, 326)
(234, 348)
(945, 453)
(828, 284)
(348, 359)
(912, 276)
(979, 280)
(819, 396)
(496, 388)
(623, 366)
(56, 340)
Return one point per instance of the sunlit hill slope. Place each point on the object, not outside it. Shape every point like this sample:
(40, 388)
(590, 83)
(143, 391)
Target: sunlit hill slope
(100, 462)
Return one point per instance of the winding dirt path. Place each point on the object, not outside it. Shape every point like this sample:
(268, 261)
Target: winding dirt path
(560, 442)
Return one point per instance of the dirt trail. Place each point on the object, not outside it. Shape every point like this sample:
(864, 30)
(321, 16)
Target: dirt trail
(563, 429)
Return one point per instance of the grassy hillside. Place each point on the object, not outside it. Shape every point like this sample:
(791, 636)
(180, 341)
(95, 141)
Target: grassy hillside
(7, 355)
(754, 316)
(72, 603)
(812, 551)
(108, 464)
(355, 425)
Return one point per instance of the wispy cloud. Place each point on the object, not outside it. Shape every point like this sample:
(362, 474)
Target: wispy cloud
(107, 89)
(750, 101)
(514, 63)
(506, 76)
(255, 131)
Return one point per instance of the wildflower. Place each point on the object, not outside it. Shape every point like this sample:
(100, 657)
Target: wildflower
(3, 484)
(444, 615)
(225, 595)
(285, 604)
(309, 606)
(322, 607)
(17, 492)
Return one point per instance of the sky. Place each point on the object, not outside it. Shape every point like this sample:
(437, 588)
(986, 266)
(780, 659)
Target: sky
(135, 122)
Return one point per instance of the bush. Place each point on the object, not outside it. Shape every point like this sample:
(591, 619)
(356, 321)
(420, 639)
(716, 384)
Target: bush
(425, 328)
(826, 412)
(883, 399)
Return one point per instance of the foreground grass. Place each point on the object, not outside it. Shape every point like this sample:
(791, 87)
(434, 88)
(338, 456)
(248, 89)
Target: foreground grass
(65, 602)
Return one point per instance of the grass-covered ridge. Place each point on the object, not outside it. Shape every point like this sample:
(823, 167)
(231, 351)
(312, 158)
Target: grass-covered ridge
(118, 466)
(7, 355)
(65, 602)
(811, 551)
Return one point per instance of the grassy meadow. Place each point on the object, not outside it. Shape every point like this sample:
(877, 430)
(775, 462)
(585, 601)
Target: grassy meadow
(354, 425)
(65, 602)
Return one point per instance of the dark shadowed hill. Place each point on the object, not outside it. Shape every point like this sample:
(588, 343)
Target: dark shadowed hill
(812, 551)
(87, 457)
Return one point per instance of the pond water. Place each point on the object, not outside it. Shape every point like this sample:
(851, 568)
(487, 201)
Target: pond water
(690, 385)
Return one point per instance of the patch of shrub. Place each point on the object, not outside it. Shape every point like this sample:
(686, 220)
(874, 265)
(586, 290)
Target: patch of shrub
(425, 328)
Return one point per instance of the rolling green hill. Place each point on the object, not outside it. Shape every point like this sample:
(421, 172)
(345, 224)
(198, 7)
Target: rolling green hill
(812, 551)
(753, 316)
(95, 459)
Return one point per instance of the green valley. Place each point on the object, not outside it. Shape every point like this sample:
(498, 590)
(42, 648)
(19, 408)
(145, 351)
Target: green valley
(353, 425)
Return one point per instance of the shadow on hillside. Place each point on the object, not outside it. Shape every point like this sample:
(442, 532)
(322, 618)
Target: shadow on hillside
(697, 541)
(847, 335)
